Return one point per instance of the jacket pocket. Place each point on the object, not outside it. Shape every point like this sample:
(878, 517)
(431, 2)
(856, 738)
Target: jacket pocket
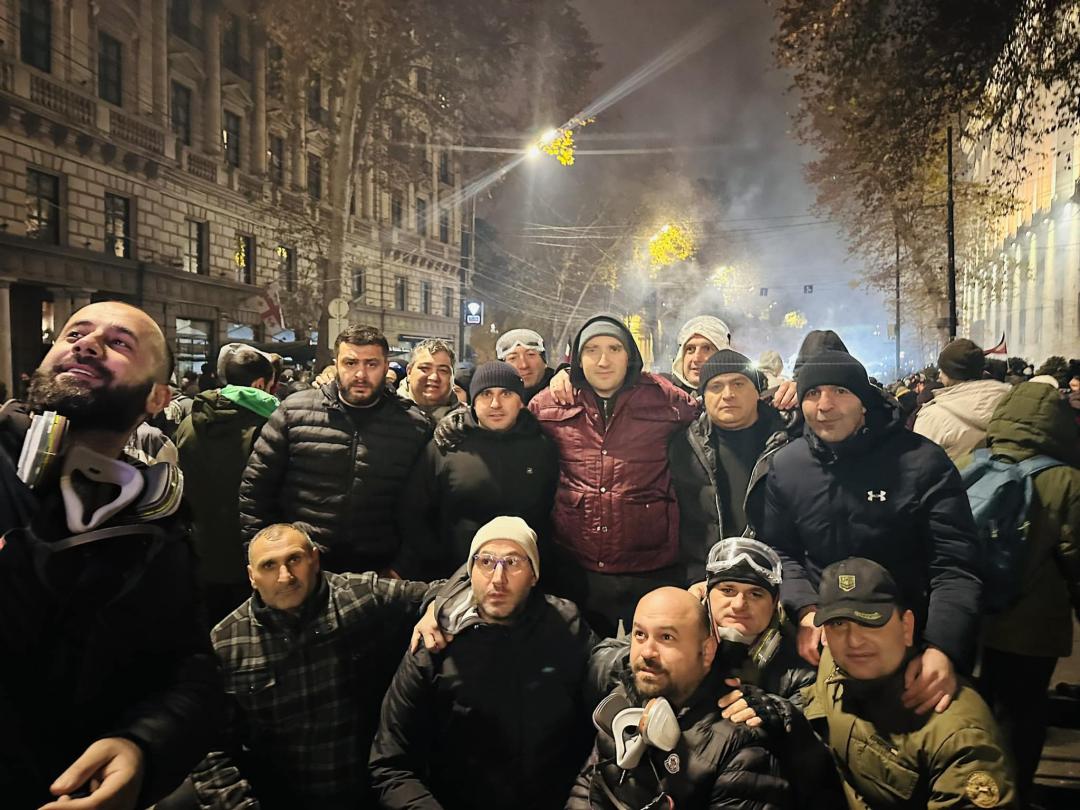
(645, 523)
(253, 689)
(880, 771)
(559, 413)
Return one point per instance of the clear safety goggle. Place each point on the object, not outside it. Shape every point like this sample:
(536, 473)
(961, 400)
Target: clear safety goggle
(734, 552)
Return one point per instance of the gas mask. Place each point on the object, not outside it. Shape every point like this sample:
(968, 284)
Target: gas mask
(94, 488)
(635, 729)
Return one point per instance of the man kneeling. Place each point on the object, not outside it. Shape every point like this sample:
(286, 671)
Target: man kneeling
(662, 739)
(889, 756)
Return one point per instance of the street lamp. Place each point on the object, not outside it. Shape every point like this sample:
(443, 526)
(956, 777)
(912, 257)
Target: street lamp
(546, 138)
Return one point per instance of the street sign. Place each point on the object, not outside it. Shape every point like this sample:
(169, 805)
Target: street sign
(336, 327)
(808, 289)
(473, 313)
(338, 308)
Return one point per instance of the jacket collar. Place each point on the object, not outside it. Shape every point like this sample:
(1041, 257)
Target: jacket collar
(279, 621)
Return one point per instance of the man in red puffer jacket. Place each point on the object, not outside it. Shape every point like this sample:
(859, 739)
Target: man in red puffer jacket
(616, 519)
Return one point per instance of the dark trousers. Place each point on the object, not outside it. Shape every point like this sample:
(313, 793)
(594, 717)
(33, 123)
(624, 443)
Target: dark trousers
(611, 598)
(1016, 689)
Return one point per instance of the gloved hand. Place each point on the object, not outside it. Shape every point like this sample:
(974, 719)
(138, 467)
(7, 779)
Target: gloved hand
(451, 429)
(757, 708)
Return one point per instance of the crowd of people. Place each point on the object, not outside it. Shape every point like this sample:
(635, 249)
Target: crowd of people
(757, 592)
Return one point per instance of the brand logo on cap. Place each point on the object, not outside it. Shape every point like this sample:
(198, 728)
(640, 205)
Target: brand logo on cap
(847, 582)
(875, 496)
(672, 763)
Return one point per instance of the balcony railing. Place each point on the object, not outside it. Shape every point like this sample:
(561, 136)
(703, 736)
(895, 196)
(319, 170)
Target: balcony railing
(59, 99)
(136, 132)
(202, 167)
(250, 186)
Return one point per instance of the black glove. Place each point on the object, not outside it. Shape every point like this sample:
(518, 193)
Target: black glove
(452, 428)
(773, 710)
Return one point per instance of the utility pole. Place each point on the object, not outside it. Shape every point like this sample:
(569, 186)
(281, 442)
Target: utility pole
(950, 230)
(897, 327)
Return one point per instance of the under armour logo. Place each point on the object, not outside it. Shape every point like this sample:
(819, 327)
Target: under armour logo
(875, 496)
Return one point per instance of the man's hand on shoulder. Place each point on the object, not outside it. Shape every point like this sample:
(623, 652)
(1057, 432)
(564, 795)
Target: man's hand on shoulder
(562, 391)
(929, 682)
(428, 632)
(755, 707)
(108, 776)
(786, 397)
(809, 639)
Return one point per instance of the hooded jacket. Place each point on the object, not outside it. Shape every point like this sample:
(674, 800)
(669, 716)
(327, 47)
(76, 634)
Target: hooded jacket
(214, 443)
(1033, 420)
(713, 329)
(495, 720)
(454, 490)
(701, 485)
(958, 415)
(715, 764)
(336, 473)
(891, 496)
(615, 508)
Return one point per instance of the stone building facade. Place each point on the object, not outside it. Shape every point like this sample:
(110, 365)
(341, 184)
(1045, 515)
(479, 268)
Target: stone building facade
(1023, 278)
(146, 155)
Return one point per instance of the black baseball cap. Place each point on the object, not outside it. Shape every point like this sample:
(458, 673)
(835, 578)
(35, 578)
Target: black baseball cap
(859, 590)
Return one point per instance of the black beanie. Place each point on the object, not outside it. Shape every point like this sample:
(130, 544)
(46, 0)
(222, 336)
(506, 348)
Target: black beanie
(496, 374)
(729, 361)
(837, 368)
(962, 360)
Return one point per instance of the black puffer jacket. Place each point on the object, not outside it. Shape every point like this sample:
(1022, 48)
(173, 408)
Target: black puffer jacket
(454, 490)
(804, 762)
(892, 496)
(99, 640)
(715, 764)
(315, 465)
(693, 462)
(496, 720)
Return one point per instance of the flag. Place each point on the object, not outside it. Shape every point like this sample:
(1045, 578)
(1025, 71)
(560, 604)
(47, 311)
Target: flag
(1001, 348)
(267, 303)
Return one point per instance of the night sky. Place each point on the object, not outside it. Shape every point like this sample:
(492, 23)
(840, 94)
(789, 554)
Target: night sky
(730, 104)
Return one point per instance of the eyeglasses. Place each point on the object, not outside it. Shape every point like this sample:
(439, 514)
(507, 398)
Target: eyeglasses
(511, 564)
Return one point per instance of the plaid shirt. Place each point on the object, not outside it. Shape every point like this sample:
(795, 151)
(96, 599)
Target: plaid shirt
(305, 693)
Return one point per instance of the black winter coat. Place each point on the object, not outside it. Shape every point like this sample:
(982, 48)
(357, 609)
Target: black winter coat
(693, 463)
(105, 639)
(496, 720)
(892, 496)
(715, 764)
(453, 491)
(312, 465)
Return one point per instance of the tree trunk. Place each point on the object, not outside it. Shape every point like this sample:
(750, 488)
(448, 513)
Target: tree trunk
(340, 182)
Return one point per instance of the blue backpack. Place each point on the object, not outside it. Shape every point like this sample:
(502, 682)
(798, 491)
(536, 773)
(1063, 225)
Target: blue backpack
(1000, 495)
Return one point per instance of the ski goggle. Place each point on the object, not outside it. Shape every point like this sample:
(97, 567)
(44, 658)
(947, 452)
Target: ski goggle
(736, 554)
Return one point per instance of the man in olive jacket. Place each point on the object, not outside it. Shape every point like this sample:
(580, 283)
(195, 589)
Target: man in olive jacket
(1022, 644)
(888, 755)
(214, 443)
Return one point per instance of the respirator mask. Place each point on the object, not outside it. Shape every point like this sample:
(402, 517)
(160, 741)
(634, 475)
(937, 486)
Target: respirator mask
(636, 729)
(96, 489)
